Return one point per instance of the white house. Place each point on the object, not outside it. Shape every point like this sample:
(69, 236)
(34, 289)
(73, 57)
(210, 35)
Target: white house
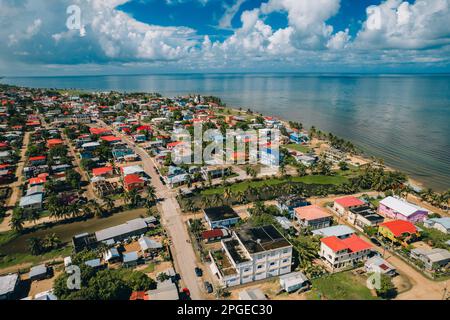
(294, 281)
(251, 254)
(342, 253)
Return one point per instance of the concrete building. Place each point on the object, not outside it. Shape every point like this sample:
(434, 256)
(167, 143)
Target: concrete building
(313, 217)
(343, 253)
(251, 254)
(223, 216)
(400, 209)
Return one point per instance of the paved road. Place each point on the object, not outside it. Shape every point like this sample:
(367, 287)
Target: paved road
(171, 218)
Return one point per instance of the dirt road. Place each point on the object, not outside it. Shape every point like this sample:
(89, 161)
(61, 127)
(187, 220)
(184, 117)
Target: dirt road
(4, 226)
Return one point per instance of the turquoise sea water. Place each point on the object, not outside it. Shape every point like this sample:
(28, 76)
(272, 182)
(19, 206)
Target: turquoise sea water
(404, 119)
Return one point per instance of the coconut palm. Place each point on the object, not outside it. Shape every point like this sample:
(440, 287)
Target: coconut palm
(227, 195)
(189, 205)
(109, 203)
(241, 197)
(16, 223)
(51, 241)
(35, 246)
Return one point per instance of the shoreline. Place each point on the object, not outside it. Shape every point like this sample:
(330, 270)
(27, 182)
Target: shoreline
(414, 183)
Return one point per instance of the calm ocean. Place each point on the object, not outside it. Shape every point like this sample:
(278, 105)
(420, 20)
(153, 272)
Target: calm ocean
(404, 119)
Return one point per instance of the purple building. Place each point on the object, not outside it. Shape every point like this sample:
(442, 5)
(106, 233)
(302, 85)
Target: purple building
(395, 208)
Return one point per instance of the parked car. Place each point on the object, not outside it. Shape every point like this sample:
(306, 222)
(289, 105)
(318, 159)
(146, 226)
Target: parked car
(208, 287)
(375, 241)
(198, 272)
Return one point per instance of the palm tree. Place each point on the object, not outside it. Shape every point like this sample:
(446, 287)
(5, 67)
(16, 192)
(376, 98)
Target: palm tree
(227, 195)
(301, 170)
(189, 205)
(35, 216)
(151, 194)
(16, 223)
(35, 246)
(241, 197)
(52, 241)
(217, 199)
(109, 203)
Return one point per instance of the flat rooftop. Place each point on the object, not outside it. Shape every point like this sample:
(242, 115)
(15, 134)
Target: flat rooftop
(220, 213)
(262, 239)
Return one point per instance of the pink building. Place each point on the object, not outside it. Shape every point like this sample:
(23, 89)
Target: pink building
(395, 208)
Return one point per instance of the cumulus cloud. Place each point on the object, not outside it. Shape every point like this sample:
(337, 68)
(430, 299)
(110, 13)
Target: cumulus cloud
(394, 32)
(111, 35)
(396, 24)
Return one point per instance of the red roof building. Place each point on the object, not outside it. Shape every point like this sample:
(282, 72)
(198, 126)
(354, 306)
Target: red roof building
(211, 234)
(37, 181)
(98, 172)
(399, 227)
(313, 216)
(99, 131)
(133, 182)
(342, 205)
(54, 142)
(351, 244)
(144, 128)
(111, 139)
(37, 159)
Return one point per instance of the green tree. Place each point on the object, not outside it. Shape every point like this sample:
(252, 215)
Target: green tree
(387, 289)
(35, 246)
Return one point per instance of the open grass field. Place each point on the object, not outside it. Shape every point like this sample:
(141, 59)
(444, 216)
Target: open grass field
(242, 186)
(340, 286)
(298, 147)
(20, 259)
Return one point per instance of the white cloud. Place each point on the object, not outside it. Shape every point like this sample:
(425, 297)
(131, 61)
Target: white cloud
(395, 24)
(394, 32)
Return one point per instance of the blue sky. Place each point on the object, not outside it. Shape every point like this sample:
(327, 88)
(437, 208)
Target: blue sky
(145, 36)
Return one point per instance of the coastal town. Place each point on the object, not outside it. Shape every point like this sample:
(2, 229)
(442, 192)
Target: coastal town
(89, 186)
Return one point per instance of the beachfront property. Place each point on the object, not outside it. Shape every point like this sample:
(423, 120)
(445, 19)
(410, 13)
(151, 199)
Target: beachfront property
(399, 231)
(251, 254)
(395, 208)
(343, 205)
(339, 254)
(334, 155)
(298, 137)
(313, 217)
(218, 217)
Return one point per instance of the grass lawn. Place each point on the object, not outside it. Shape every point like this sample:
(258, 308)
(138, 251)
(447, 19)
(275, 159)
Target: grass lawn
(149, 269)
(340, 286)
(7, 236)
(242, 186)
(22, 258)
(298, 147)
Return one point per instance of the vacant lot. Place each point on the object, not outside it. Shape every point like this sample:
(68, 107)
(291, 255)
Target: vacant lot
(340, 286)
(315, 179)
